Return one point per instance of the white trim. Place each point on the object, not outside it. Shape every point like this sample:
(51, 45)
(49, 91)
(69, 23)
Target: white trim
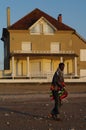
(75, 66)
(83, 73)
(82, 54)
(42, 18)
(13, 73)
(43, 30)
(28, 71)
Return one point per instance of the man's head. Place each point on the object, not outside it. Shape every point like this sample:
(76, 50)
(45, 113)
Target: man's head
(61, 66)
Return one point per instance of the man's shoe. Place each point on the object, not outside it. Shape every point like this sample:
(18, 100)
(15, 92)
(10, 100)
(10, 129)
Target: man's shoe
(51, 116)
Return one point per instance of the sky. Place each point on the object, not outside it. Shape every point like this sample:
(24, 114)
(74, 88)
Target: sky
(73, 14)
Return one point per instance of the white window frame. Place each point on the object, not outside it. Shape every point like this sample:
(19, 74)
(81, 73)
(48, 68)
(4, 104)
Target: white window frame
(82, 72)
(55, 47)
(26, 46)
(43, 27)
(82, 54)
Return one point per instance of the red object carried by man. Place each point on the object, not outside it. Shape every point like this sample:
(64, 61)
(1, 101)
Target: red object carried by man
(62, 92)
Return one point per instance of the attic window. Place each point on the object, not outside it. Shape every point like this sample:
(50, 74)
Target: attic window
(42, 27)
(37, 29)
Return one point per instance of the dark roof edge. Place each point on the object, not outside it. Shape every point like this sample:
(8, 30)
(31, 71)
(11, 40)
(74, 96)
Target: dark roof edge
(83, 39)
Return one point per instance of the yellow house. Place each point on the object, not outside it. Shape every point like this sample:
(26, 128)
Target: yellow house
(37, 43)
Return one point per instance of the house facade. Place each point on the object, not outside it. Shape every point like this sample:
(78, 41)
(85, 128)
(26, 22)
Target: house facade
(37, 43)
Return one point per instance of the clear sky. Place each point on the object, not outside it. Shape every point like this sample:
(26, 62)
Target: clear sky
(73, 14)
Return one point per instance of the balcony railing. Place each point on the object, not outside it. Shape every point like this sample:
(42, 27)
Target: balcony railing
(41, 75)
(42, 52)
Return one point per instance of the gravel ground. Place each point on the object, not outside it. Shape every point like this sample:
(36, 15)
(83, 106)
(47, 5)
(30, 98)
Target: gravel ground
(29, 112)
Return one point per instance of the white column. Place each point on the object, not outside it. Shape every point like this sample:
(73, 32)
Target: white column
(61, 59)
(75, 66)
(13, 72)
(28, 71)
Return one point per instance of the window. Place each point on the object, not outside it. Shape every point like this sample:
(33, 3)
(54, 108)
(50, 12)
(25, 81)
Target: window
(83, 55)
(55, 47)
(26, 46)
(42, 26)
(37, 29)
(83, 72)
(47, 29)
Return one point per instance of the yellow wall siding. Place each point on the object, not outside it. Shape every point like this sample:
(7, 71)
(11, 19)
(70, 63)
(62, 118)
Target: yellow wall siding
(68, 67)
(24, 67)
(39, 42)
(46, 65)
(16, 39)
(55, 64)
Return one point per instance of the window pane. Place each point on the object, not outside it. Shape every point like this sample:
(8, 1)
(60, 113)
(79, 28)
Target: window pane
(37, 29)
(83, 72)
(26, 46)
(55, 47)
(47, 28)
(83, 55)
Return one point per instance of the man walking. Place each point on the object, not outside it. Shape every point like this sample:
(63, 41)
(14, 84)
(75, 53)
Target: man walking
(56, 86)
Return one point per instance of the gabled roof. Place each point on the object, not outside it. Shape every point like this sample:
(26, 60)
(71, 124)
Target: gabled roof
(45, 20)
(28, 20)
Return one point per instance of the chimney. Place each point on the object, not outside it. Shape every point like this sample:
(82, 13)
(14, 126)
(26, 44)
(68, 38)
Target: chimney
(8, 16)
(60, 18)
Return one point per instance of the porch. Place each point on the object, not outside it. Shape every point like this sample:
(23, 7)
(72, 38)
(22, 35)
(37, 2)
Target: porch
(42, 64)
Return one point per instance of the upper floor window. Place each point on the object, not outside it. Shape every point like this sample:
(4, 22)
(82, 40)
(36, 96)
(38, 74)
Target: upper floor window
(26, 46)
(55, 47)
(83, 55)
(42, 26)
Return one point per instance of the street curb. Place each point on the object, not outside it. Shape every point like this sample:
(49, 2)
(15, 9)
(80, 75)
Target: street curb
(35, 96)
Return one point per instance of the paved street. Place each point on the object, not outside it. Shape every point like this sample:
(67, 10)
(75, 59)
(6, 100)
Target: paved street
(29, 112)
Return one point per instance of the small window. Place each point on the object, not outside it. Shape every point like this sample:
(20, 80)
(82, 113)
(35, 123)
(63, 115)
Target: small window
(55, 47)
(83, 72)
(83, 55)
(26, 46)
